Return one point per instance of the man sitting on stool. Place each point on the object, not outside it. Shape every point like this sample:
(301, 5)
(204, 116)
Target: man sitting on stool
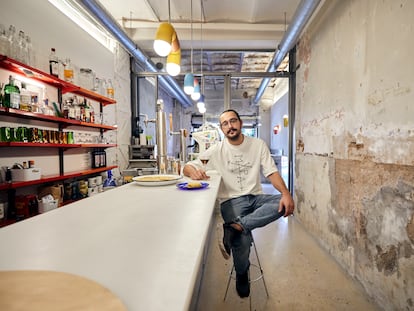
(239, 160)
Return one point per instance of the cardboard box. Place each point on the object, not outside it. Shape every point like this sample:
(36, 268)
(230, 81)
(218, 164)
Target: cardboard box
(26, 174)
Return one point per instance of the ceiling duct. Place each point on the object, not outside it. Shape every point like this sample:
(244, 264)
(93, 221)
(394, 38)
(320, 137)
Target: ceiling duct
(301, 17)
(102, 16)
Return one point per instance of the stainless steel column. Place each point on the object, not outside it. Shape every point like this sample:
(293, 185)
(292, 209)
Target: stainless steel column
(161, 130)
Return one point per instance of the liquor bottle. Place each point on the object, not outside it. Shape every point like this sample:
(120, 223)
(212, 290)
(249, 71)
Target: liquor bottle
(4, 41)
(21, 50)
(13, 42)
(25, 98)
(68, 71)
(77, 108)
(65, 109)
(110, 89)
(53, 63)
(87, 111)
(29, 52)
(92, 113)
(11, 94)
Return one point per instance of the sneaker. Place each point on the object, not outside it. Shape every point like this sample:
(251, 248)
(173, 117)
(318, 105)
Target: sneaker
(243, 285)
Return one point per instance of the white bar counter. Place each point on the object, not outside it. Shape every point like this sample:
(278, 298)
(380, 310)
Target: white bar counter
(144, 244)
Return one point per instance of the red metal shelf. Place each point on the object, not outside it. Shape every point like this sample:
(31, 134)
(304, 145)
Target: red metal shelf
(66, 87)
(47, 145)
(53, 178)
(42, 117)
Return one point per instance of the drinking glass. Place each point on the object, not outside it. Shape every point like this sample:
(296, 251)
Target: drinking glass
(204, 160)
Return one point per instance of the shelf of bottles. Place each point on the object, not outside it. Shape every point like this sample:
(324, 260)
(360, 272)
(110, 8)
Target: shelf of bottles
(65, 86)
(42, 117)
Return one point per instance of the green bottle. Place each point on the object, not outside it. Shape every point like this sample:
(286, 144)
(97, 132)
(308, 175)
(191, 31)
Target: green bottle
(11, 95)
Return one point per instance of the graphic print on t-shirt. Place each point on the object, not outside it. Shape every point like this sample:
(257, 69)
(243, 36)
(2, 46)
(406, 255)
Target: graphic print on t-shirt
(240, 169)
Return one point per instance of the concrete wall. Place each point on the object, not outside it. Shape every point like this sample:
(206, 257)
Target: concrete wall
(354, 170)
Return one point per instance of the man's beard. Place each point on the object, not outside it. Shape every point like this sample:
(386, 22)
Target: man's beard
(235, 137)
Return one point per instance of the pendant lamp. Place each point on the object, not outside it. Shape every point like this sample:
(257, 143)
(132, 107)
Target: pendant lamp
(173, 63)
(196, 93)
(173, 66)
(163, 39)
(189, 83)
(202, 109)
(201, 102)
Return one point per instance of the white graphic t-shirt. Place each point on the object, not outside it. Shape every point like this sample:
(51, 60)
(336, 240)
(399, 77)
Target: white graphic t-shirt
(239, 166)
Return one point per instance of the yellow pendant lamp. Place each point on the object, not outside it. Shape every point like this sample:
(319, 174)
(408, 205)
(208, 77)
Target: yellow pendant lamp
(163, 39)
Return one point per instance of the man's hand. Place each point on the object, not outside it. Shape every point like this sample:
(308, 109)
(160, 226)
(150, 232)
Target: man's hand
(195, 174)
(286, 202)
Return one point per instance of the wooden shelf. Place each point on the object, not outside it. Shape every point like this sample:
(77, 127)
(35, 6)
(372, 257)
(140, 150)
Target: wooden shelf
(53, 178)
(66, 87)
(42, 117)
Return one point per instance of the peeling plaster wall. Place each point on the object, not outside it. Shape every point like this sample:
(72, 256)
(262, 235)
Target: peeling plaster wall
(354, 174)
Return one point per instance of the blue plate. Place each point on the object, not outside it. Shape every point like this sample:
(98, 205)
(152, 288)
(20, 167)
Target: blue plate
(184, 186)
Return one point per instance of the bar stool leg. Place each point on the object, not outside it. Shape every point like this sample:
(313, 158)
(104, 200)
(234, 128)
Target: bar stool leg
(260, 268)
(261, 276)
(228, 282)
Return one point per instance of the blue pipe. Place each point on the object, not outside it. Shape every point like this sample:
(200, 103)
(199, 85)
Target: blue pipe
(299, 21)
(112, 26)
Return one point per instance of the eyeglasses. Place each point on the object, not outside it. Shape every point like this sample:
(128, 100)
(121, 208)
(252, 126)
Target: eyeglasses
(227, 123)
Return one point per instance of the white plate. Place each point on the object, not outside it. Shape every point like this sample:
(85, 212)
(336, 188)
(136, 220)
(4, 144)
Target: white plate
(156, 180)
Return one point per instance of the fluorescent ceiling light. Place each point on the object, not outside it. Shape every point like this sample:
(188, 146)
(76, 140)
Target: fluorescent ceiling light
(84, 20)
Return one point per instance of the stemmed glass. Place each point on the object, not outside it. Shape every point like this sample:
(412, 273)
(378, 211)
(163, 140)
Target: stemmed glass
(204, 160)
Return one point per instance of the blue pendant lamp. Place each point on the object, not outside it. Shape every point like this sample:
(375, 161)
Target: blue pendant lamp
(189, 83)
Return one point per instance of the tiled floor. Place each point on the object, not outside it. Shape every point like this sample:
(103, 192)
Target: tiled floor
(298, 273)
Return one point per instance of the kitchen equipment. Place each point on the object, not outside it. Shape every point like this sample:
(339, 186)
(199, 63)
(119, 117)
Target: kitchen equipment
(141, 152)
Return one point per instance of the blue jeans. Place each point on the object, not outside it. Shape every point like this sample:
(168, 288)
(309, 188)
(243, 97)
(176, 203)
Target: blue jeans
(249, 211)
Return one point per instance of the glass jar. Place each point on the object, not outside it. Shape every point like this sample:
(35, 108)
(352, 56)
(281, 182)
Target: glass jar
(86, 78)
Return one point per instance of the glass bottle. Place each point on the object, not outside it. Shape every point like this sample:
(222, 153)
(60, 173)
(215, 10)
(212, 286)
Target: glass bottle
(53, 63)
(21, 50)
(110, 89)
(29, 52)
(76, 108)
(91, 113)
(4, 41)
(25, 98)
(68, 71)
(65, 109)
(11, 94)
(13, 43)
(87, 111)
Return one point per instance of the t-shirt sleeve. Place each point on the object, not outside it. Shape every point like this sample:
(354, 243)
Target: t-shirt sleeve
(267, 162)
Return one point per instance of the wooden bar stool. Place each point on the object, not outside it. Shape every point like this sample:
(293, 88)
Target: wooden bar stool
(258, 275)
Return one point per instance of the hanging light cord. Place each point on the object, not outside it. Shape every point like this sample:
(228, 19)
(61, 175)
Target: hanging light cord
(201, 50)
(169, 12)
(191, 55)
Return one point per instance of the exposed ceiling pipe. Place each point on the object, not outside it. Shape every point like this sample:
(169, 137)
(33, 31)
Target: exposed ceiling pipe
(167, 82)
(299, 21)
